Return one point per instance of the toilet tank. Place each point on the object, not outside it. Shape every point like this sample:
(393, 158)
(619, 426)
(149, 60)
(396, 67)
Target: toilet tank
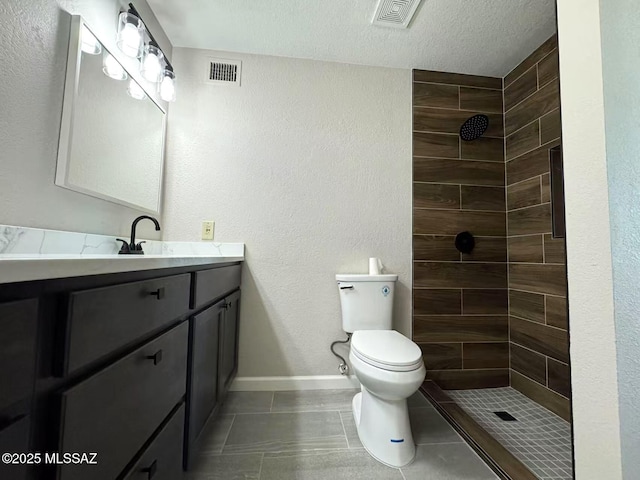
(366, 301)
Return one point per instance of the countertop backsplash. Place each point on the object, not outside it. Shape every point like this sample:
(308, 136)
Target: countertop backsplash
(24, 241)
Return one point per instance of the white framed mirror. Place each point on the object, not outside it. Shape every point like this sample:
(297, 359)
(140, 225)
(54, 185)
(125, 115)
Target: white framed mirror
(112, 134)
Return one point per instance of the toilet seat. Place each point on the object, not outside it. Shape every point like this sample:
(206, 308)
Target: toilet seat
(386, 349)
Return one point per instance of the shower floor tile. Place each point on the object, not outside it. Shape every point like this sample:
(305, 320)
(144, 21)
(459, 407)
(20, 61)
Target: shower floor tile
(539, 439)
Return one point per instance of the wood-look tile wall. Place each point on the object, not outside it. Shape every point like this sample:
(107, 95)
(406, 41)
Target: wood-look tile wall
(461, 302)
(539, 344)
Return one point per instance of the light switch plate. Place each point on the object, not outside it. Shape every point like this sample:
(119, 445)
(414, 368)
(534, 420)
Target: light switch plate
(207, 229)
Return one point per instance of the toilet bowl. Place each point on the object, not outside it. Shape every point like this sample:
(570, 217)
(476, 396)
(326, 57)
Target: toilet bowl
(388, 365)
(390, 369)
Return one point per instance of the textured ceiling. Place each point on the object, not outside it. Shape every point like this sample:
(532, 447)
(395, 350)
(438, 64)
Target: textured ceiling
(481, 37)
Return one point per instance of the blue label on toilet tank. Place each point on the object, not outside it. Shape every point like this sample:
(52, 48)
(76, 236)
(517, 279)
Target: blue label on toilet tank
(395, 440)
(386, 290)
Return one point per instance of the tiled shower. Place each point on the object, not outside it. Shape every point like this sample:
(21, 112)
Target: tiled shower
(494, 320)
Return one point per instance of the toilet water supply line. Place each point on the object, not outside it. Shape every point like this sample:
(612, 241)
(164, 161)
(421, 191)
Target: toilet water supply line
(343, 367)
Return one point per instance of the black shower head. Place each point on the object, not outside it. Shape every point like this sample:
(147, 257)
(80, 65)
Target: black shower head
(474, 127)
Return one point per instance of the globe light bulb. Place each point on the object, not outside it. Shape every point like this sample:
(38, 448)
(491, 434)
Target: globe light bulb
(130, 35)
(168, 86)
(113, 69)
(151, 64)
(135, 90)
(90, 43)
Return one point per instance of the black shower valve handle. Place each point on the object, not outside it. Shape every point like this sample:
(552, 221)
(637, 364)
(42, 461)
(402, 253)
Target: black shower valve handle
(465, 242)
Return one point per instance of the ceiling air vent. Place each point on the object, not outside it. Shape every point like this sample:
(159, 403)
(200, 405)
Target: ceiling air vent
(395, 13)
(223, 71)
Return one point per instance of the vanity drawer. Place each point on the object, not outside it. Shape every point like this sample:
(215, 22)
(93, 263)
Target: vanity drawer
(18, 325)
(117, 410)
(102, 320)
(214, 283)
(162, 459)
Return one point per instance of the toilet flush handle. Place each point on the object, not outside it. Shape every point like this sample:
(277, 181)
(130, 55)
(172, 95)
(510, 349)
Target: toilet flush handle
(346, 287)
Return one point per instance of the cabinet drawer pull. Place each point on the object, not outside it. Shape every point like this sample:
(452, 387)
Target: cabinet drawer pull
(156, 357)
(151, 470)
(159, 293)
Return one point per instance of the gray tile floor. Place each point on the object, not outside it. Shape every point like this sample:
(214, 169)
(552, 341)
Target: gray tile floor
(539, 439)
(312, 435)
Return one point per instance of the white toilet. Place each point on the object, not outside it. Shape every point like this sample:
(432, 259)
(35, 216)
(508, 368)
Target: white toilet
(388, 365)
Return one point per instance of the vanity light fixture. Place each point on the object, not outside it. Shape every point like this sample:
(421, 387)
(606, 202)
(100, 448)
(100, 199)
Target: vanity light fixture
(112, 68)
(154, 65)
(135, 90)
(130, 38)
(90, 43)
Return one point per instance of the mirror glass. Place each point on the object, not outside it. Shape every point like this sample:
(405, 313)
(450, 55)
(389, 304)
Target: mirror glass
(112, 138)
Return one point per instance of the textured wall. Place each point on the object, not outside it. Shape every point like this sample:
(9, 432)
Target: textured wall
(309, 163)
(596, 423)
(35, 37)
(621, 74)
(538, 326)
(460, 301)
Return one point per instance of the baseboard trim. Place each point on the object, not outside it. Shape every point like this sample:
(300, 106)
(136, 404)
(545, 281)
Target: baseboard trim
(316, 382)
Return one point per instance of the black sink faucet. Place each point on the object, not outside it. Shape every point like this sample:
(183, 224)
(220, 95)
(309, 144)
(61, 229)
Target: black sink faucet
(133, 248)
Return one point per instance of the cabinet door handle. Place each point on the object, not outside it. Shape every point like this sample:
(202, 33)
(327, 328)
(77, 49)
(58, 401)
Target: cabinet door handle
(151, 470)
(156, 357)
(159, 293)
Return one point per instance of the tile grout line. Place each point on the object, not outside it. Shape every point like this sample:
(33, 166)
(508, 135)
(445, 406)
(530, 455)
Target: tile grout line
(497, 288)
(460, 110)
(542, 324)
(454, 134)
(458, 85)
(226, 437)
(261, 463)
(457, 184)
(490, 262)
(538, 88)
(528, 151)
(456, 159)
(519, 129)
(345, 431)
(402, 474)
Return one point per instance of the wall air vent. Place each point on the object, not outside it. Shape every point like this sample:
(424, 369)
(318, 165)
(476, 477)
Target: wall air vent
(395, 13)
(223, 71)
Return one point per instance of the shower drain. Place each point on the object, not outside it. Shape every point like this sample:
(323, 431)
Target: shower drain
(506, 416)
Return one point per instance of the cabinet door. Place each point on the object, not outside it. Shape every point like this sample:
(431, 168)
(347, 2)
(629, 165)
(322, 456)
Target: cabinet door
(203, 389)
(18, 325)
(14, 438)
(229, 343)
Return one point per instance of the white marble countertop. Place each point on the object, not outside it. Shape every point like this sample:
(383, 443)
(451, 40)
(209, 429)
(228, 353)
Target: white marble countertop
(65, 254)
(23, 267)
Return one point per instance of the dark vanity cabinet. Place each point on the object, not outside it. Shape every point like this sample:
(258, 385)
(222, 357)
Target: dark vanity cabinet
(129, 366)
(214, 348)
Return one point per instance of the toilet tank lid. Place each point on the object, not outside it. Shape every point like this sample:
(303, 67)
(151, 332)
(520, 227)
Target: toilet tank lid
(386, 346)
(349, 277)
